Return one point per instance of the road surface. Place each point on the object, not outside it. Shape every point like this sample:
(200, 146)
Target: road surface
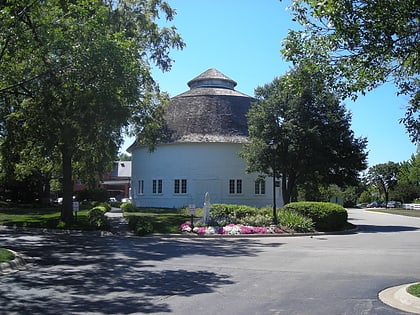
(325, 274)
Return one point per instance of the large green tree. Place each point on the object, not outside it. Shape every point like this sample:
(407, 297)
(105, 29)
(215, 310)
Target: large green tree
(75, 74)
(360, 45)
(384, 177)
(408, 186)
(311, 128)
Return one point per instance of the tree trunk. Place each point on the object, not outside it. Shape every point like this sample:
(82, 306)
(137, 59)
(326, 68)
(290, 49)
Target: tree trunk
(67, 209)
(287, 187)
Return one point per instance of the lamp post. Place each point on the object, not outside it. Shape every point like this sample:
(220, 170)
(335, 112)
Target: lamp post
(273, 147)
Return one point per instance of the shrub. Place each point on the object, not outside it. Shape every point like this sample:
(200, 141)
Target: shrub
(96, 218)
(325, 216)
(256, 220)
(223, 214)
(141, 225)
(228, 210)
(105, 205)
(128, 207)
(295, 221)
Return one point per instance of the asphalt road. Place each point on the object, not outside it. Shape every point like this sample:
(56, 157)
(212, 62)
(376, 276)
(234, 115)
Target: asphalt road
(328, 274)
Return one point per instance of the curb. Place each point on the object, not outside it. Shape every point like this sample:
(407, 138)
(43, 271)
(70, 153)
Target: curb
(14, 265)
(399, 298)
(255, 235)
(53, 231)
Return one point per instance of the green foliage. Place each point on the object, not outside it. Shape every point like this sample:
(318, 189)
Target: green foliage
(230, 213)
(384, 177)
(360, 45)
(315, 144)
(325, 216)
(256, 220)
(6, 255)
(128, 207)
(414, 289)
(73, 76)
(295, 221)
(141, 225)
(97, 219)
(408, 185)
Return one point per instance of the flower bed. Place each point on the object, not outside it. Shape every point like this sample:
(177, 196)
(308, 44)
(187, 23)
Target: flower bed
(230, 229)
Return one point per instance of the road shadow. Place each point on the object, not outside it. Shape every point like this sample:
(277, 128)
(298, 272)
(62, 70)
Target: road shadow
(366, 228)
(74, 274)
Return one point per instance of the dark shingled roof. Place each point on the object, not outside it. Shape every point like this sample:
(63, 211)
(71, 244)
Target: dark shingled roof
(211, 111)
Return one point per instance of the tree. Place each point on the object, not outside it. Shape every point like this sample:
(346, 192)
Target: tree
(360, 45)
(383, 177)
(408, 185)
(311, 128)
(74, 74)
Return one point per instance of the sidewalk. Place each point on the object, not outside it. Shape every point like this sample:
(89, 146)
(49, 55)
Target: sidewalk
(399, 298)
(119, 225)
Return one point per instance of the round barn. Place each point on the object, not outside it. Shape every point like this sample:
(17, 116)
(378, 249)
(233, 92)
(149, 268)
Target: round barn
(205, 129)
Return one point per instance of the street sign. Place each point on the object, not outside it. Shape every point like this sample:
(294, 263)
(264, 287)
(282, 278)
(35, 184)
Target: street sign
(191, 208)
(75, 206)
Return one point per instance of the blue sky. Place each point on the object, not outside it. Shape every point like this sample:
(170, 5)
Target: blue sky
(242, 39)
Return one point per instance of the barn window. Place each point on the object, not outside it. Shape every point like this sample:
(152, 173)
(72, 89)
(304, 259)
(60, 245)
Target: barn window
(140, 188)
(157, 186)
(260, 187)
(235, 186)
(180, 186)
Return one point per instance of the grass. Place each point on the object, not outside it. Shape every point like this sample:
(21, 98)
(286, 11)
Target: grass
(6, 255)
(400, 211)
(164, 221)
(41, 218)
(414, 290)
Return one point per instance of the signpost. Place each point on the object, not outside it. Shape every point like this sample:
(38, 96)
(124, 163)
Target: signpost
(75, 208)
(191, 208)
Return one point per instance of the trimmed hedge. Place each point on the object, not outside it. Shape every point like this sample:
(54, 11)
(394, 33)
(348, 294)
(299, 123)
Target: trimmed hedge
(325, 215)
(97, 219)
(128, 207)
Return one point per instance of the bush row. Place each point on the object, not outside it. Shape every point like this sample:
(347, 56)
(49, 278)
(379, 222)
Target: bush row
(325, 215)
(298, 216)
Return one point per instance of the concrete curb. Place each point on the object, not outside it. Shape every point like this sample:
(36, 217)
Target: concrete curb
(399, 298)
(14, 265)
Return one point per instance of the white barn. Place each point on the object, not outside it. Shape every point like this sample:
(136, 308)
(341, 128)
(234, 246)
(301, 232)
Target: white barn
(206, 128)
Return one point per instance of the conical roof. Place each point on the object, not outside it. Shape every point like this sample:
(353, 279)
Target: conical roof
(212, 78)
(211, 111)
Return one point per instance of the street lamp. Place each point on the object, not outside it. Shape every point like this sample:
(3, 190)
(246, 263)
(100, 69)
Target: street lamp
(273, 146)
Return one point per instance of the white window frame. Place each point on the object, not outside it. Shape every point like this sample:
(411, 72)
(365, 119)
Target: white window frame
(157, 186)
(235, 186)
(260, 187)
(180, 186)
(140, 187)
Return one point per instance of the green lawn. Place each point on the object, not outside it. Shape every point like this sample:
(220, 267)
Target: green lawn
(5, 255)
(165, 221)
(40, 218)
(414, 289)
(400, 211)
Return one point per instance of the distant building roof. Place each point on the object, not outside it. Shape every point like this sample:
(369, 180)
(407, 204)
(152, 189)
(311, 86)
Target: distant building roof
(122, 169)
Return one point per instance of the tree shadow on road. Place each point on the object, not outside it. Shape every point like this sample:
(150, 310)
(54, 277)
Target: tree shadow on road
(366, 228)
(74, 274)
